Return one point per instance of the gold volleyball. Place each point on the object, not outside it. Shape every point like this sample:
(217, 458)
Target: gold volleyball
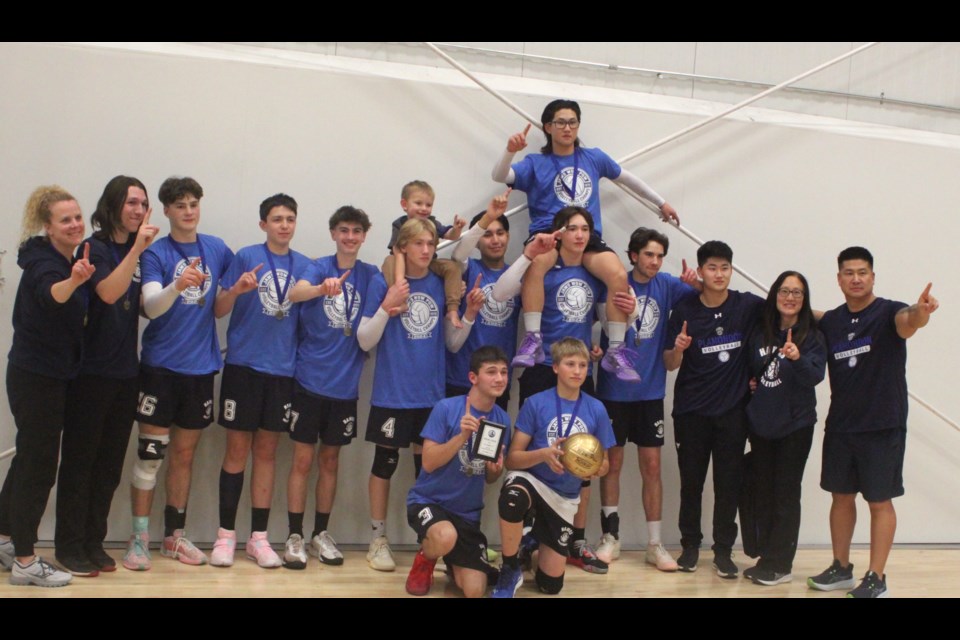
(582, 455)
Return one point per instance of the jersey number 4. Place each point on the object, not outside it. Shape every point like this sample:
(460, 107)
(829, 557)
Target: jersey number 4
(388, 426)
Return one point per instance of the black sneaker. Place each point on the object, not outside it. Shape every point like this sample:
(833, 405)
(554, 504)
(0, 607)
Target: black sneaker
(835, 577)
(725, 567)
(750, 572)
(687, 562)
(872, 586)
(78, 566)
(102, 559)
(585, 557)
(769, 577)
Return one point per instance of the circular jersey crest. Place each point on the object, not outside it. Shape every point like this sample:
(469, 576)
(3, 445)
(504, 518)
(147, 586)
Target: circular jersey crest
(421, 315)
(563, 183)
(496, 313)
(579, 426)
(267, 290)
(192, 295)
(335, 307)
(650, 319)
(575, 300)
(475, 467)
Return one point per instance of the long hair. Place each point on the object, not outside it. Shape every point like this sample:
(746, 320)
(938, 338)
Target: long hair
(770, 320)
(106, 218)
(36, 212)
(547, 116)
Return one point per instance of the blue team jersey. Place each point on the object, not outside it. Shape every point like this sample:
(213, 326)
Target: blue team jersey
(411, 354)
(547, 179)
(656, 298)
(458, 485)
(867, 360)
(714, 374)
(570, 298)
(257, 338)
(184, 339)
(496, 324)
(538, 419)
(329, 362)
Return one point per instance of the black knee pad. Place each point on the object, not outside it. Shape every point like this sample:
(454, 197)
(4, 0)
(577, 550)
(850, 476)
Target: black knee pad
(514, 503)
(548, 585)
(385, 462)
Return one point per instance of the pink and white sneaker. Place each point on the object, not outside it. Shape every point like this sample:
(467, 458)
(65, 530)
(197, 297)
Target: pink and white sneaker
(259, 549)
(223, 548)
(179, 548)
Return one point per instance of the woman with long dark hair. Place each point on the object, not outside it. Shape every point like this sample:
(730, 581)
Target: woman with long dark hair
(103, 399)
(48, 318)
(788, 358)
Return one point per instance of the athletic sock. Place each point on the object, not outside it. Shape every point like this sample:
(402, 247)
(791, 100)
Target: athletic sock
(259, 519)
(610, 522)
(173, 519)
(231, 486)
(141, 524)
(653, 531)
(616, 331)
(379, 527)
(320, 522)
(295, 522)
(531, 321)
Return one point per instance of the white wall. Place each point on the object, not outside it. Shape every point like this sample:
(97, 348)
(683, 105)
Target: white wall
(785, 191)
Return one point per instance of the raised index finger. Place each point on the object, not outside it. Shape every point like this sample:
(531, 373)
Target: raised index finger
(256, 268)
(790, 334)
(527, 130)
(86, 256)
(146, 217)
(476, 285)
(684, 263)
(468, 406)
(926, 292)
(343, 278)
(683, 330)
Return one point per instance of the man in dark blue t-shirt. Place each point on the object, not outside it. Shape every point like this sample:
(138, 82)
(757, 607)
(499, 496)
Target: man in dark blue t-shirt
(708, 333)
(867, 424)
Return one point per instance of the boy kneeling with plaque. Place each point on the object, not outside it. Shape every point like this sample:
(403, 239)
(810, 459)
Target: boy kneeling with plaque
(463, 444)
(542, 476)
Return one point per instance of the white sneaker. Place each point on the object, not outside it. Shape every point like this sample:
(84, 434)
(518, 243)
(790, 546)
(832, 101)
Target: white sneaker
(40, 573)
(294, 557)
(660, 558)
(609, 548)
(7, 555)
(324, 547)
(379, 556)
(223, 548)
(259, 550)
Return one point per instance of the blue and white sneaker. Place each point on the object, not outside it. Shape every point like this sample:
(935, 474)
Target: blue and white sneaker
(510, 580)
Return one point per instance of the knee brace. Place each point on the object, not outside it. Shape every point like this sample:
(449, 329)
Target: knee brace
(514, 503)
(546, 584)
(151, 450)
(385, 462)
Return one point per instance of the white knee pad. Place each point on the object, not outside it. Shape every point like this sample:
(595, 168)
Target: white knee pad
(151, 450)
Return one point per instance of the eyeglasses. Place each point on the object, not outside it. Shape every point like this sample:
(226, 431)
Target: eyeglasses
(790, 293)
(563, 124)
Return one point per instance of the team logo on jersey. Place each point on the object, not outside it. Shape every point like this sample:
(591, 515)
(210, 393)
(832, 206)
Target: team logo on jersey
(771, 375)
(421, 316)
(578, 427)
(659, 425)
(723, 356)
(850, 335)
(136, 273)
(468, 467)
(493, 313)
(852, 362)
(348, 425)
(565, 534)
(719, 331)
(563, 184)
(192, 295)
(650, 319)
(425, 516)
(287, 411)
(267, 290)
(335, 307)
(208, 409)
(575, 300)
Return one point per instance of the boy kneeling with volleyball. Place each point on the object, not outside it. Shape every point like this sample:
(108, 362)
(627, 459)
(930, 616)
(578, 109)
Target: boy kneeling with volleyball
(561, 438)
